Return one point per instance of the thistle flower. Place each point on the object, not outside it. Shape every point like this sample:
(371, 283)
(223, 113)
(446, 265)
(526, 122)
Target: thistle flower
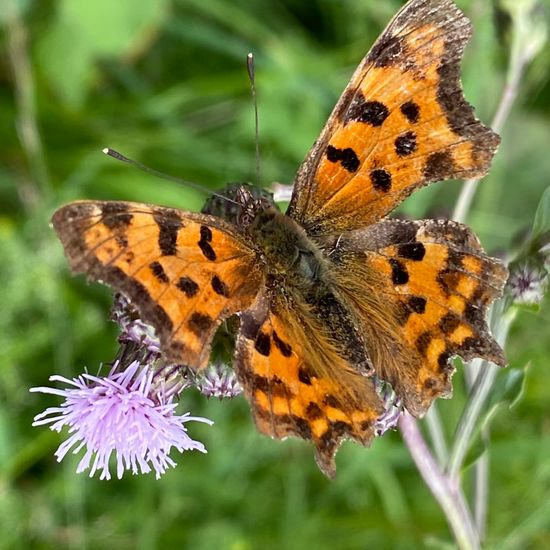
(122, 414)
(219, 381)
(392, 407)
(132, 328)
(528, 283)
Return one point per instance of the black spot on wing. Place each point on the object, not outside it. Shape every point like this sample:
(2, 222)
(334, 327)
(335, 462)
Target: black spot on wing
(417, 304)
(270, 386)
(304, 376)
(381, 180)
(412, 251)
(204, 243)
(422, 343)
(449, 277)
(414, 304)
(300, 426)
(169, 225)
(206, 234)
(411, 111)
(158, 271)
(449, 323)
(188, 286)
(443, 359)
(399, 275)
(283, 347)
(199, 323)
(219, 286)
(121, 240)
(331, 401)
(448, 280)
(405, 144)
(346, 157)
(263, 344)
(369, 112)
(313, 411)
(115, 215)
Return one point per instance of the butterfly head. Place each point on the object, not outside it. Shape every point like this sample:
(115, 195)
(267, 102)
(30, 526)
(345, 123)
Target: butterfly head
(244, 203)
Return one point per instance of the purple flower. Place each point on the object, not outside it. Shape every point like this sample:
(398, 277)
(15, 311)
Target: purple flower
(132, 328)
(124, 414)
(218, 380)
(393, 407)
(528, 283)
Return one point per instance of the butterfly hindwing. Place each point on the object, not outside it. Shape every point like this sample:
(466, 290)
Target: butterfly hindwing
(434, 284)
(290, 395)
(185, 272)
(401, 123)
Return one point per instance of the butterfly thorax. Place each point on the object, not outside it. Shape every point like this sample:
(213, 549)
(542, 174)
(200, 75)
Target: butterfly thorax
(286, 250)
(283, 246)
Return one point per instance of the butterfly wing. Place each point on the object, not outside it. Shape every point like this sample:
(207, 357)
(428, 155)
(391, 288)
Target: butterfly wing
(297, 385)
(421, 290)
(401, 123)
(185, 272)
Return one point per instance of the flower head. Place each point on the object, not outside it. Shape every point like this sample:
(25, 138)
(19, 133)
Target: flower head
(132, 328)
(218, 380)
(527, 283)
(121, 414)
(392, 407)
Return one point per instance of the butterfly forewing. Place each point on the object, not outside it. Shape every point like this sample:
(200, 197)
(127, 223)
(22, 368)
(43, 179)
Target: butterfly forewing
(401, 123)
(185, 272)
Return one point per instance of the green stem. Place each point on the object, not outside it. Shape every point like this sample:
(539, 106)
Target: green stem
(448, 495)
(468, 421)
(480, 390)
(435, 429)
(481, 493)
(25, 101)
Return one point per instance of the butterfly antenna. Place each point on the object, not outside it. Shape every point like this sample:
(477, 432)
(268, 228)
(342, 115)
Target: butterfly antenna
(119, 156)
(251, 74)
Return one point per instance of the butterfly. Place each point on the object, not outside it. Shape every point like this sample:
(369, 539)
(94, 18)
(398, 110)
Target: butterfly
(333, 295)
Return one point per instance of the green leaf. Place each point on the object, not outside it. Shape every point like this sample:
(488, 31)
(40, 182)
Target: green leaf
(86, 31)
(476, 450)
(509, 387)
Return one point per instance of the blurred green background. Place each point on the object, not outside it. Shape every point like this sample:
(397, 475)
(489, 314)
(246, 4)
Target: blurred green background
(165, 83)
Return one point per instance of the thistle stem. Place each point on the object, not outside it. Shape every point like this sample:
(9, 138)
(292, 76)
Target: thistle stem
(469, 418)
(448, 494)
(435, 429)
(484, 381)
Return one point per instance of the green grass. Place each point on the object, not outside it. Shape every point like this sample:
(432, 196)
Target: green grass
(165, 83)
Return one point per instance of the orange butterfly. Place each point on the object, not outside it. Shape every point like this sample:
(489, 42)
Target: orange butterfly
(333, 295)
